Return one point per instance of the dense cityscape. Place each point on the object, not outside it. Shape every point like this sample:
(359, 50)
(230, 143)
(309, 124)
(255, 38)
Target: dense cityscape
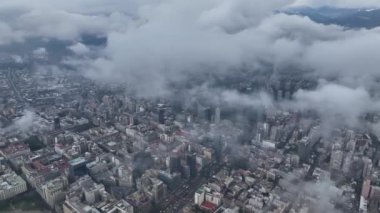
(91, 148)
(168, 106)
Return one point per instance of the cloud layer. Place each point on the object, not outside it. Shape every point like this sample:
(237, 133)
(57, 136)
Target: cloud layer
(152, 44)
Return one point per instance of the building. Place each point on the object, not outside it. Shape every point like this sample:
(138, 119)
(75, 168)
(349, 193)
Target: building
(364, 197)
(336, 158)
(173, 163)
(207, 199)
(140, 202)
(57, 123)
(161, 115)
(14, 150)
(154, 188)
(120, 206)
(367, 167)
(208, 114)
(85, 196)
(54, 191)
(199, 196)
(77, 167)
(217, 115)
(191, 161)
(45, 168)
(11, 185)
(125, 175)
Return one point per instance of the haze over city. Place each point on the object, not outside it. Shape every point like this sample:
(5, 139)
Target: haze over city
(220, 106)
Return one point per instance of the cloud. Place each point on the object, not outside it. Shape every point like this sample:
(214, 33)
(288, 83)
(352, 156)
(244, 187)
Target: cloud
(59, 24)
(26, 121)
(17, 58)
(354, 54)
(164, 50)
(258, 100)
(165, 41)
(339, 3)
(154, 44)
(324, 191)
(233, 16)
(337, 105)
(172, 40)
(79, 49)
(9, 35)
(63, 20)
(23, 124)
(178, 39)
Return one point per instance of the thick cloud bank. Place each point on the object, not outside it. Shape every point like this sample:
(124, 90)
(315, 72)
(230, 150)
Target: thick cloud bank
(152, 44)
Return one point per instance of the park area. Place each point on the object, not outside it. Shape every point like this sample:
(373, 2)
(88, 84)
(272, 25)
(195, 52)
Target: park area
(27, 202)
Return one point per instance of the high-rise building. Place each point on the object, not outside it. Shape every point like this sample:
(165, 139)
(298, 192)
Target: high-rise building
(336, 159)
(367, 167)
(199, 196)
(77, 167)
(217, 115)
(374, 199)
(364, 198)
(161, 115)
(159, 190)
(208, 114)
(347, 163)
(57, 123)
(191, 161)
(173, 163)
(266, 129)
(186, 172)
(133, 120)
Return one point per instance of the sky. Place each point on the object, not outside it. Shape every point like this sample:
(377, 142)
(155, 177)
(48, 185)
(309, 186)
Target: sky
(153, 43)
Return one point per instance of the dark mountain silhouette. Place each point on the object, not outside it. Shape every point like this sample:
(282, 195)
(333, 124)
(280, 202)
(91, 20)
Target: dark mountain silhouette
(346, 17)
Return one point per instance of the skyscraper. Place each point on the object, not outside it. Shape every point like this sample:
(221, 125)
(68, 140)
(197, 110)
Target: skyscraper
(57, 123)
(191, 161)
(161, 115)
(173, 163)
(208, 114)
(217, 115)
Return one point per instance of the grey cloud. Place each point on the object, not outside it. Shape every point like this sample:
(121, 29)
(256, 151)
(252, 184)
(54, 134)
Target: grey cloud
(174, 41)
(336, 104)
(233, 16)
(162, 50)
(356, 55)
(26, 121)
(259, 100)
(152, 44)
(9, 35)
(339, 3)
(64, 20)
(324, 191)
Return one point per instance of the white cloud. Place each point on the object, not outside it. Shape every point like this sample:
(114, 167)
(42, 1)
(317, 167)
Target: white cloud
(79, 48)
(336, 104)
